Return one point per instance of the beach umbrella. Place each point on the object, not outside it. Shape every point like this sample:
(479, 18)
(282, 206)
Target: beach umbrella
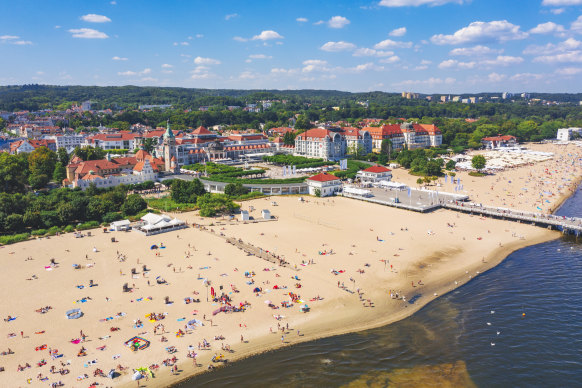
(268, 302)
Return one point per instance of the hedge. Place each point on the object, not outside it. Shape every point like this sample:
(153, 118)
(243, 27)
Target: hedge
(5, 240)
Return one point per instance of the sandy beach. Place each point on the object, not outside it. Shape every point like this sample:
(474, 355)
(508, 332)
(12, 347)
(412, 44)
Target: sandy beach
(540, 187)
(356, 265)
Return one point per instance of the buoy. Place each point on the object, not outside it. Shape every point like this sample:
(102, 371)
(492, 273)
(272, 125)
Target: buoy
(523, 315)
(492, 311)
(488, 323)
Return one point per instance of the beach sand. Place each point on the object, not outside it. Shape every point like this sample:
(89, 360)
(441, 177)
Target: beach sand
(540, 187)
(360, 234)
(372, 249)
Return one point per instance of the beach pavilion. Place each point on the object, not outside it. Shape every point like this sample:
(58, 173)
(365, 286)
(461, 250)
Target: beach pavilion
(158, 223)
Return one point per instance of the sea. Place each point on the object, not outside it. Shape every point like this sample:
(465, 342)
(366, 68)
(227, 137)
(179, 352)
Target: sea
(517, 325)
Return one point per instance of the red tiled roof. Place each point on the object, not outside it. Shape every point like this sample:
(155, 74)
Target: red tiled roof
(202, 131)
(120, 136)
(96, 166)
(500, 138)
(377, 169)
(314, 133)
(323, 177)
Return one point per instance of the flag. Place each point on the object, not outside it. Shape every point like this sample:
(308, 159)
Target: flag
(409, 192)
(212, 291)
(446, 177)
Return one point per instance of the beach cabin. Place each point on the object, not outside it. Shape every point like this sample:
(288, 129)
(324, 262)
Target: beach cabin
(119, 226)
(244, 215)
(374, 174)
(151, 224)
(324, 184)
(266, 214)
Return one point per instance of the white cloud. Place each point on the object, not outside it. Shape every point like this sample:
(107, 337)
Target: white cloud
(368, 52)
(338, 46)
(569, 50)
(398, 32)
(571, 56)
(425, 62)
(416, 3)
(495, 77)
(454, 64)
(365, 67)
(116, 58)
(5, 38)
(568, 71)
(501, 60)
(127, 73)
(113, 2)
(146, 71)
(576, 25)
(181, 44)
(314, 65)
(338, 22)
(267, 35)
(88, 33)
(260, 56)
(206, 61)
(497, 30)
(391, 44)
(302, 20)
(134, 73)
(475, 51)
(547, 28)
(239, 39)
(200, 36)
(429, 82)
(392, 59)
(167, 66)
(231, 16)
(421, 67)
(57, 27)
(559, 3)
(22, 42)
(282, 71)
(94, 18)
(558, 11)
(247, 75)
(525, 77)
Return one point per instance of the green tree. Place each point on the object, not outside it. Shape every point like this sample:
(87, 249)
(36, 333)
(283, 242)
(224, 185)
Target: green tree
(302, 122)
(478, 162)
(149, 144)
(186, 192)
(13, 171)
(450, 166)
(289, 138)
(133, 204)
(386, 147)
(60, 173)
(42, 161)
(235, 189)
(63, 156)
(66, 213)
(419, 181)
(14, 223)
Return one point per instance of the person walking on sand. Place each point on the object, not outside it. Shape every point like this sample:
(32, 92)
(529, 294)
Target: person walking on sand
(282, 339)
(242, 338)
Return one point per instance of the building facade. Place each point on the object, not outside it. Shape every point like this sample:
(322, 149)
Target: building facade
(325, 184)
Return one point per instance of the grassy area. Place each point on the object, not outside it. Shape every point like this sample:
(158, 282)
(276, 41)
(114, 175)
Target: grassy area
(167, 204)
(476, 173)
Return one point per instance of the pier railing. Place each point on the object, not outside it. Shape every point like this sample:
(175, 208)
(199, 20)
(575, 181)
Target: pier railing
(565, 224)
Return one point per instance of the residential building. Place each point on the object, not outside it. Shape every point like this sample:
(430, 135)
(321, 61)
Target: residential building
(113, 141)
(68, 142)
(566, 134)
(321, 143)
(325, 184)
(374, 174)
(499, 141)
(409, 134)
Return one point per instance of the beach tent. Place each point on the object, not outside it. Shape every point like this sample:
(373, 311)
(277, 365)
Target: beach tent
(154, 247)
(74, 314)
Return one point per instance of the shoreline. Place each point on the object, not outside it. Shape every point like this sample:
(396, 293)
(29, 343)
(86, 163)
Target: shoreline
(495, 258)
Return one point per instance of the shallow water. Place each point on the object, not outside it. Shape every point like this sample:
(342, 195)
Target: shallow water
(518, 325)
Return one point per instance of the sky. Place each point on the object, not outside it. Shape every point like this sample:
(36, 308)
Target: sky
(425, 46)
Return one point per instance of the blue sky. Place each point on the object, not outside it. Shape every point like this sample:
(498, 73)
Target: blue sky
(447, 46)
